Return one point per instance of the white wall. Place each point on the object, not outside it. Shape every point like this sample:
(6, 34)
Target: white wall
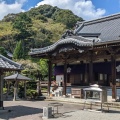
(59, 78)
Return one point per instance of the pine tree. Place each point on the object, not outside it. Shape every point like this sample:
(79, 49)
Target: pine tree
(19, 52)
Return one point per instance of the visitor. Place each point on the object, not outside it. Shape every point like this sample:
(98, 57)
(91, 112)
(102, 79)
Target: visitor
(55, 86)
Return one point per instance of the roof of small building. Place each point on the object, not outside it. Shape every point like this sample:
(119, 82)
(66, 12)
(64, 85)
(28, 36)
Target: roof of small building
(7, 64)
(17, 76)
(106, 28)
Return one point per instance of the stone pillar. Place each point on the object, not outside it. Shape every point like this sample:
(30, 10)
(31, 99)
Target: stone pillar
(113, 77)
(15, 91)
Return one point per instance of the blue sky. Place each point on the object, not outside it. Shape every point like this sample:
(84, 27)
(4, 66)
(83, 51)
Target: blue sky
(87, 9)
(111, 6)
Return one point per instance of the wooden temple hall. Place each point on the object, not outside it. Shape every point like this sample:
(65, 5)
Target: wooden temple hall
(90, 54)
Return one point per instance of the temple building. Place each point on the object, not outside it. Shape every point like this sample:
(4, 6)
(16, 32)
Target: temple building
(88, 55)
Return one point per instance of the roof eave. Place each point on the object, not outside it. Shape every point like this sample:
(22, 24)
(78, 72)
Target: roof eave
(107, 42)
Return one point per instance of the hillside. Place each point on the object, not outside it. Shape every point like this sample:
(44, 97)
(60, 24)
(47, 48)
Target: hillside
(37, 27)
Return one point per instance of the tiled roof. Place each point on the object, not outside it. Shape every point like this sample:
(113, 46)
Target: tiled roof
(108, 28)
(7, 64)
(17, 77)
(76, 40)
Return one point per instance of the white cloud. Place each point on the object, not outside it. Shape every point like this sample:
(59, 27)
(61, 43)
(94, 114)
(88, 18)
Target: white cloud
(11, 8)
(82, 8)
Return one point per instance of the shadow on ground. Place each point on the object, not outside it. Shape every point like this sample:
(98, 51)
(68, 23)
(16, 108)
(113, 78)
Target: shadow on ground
(19, 111)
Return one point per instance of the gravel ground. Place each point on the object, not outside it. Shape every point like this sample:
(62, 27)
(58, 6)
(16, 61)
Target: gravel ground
(32, 110)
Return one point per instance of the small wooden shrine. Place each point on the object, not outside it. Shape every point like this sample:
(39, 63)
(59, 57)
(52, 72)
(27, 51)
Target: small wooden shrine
(6, 65)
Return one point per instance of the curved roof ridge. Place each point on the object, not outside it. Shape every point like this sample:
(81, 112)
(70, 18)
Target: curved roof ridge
(81, 38)
(72, 39)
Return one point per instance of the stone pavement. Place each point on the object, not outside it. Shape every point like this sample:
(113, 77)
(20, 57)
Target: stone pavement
(32, 110)
(110, 102)
(87, 115)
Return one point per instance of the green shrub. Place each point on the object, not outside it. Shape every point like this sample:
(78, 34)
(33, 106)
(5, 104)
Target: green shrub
(42, 18)
(31, 93)
(4, 90)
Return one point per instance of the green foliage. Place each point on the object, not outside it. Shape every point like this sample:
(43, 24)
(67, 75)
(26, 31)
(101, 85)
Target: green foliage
(22, 22)
(43, 67)
(59, 15)
(19, 52)
(4, 90)
(66, 17)
(45, 10)
(9, 18)
(42, 38)
(3, 51)
(30, 68)
(42, 18)
(31, 93)
(38, 27)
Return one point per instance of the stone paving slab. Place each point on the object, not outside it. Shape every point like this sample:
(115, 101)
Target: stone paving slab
(87, 115)
(33, 110)
(30, 110)
(110, 103)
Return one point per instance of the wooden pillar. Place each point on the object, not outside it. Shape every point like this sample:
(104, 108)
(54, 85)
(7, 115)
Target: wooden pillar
(113, 77)
(86, 73)
(1, 91)
(90, 68)
(50, 76)
(65, 78)
(39, 83)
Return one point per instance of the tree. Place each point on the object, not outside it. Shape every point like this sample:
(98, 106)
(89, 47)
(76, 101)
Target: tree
(23, 24)
(3, 51)
(43, 67)
(66, 17)
(18, 52)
